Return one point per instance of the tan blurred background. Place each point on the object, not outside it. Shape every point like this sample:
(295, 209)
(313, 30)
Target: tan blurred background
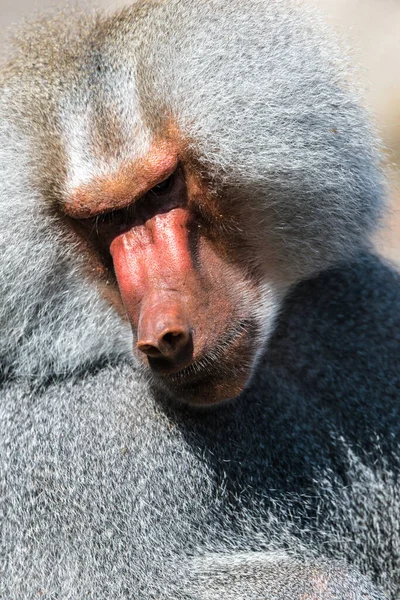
(372, 28)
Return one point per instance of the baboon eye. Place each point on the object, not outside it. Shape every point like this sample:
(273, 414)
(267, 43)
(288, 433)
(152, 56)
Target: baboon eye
(163, 187)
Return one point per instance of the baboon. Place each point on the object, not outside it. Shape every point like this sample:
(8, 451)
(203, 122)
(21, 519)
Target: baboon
(200, 372)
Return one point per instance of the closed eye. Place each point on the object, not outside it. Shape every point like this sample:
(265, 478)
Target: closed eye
(138, 211)
(164, 186)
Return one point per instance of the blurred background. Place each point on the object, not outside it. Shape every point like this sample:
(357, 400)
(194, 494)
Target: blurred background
(372, 30)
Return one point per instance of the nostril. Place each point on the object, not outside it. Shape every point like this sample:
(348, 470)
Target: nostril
(150, 350)
(169, 345)
(165, 336)
(175, 339)
(169, 338)
(173, 342)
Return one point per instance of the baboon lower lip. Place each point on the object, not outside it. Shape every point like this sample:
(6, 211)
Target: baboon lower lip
(205, 389)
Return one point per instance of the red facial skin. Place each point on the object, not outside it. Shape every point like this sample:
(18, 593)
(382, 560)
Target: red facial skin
(154, 267)
(176, 288)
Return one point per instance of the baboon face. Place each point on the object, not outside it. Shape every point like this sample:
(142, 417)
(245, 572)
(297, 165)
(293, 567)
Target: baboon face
(182, 266)
(201, 183)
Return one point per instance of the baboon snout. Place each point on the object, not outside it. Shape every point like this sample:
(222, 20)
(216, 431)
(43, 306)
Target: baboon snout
(164, 334)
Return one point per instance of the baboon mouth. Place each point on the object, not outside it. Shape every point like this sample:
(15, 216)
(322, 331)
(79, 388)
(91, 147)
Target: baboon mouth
(191, 375)
(204, 366)
(216, 375)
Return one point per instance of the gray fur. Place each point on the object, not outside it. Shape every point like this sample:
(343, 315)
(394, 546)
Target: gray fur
(106, 490)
